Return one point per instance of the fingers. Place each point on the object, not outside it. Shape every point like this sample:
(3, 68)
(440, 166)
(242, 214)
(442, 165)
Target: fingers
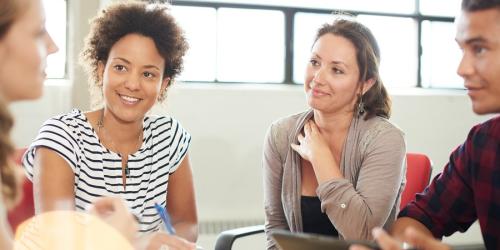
(107, 205)
(384, 240)
(296, 147)
(173, 242)
(415, 238)
(422, 241)
(313, 128)
(307, 128)
(300, 138)
(113, 211)
(358, 247)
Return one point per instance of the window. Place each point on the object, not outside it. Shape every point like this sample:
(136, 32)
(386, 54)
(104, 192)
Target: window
(305, 28)
(250, 49)
(440, 55)
(398, 56)
(199, 61)
(268, 41)
(448, 8)
(56, 26)
(386, 6)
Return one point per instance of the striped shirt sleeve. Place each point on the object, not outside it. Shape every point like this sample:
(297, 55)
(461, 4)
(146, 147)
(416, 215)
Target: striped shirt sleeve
(58, 136)
(179, 145)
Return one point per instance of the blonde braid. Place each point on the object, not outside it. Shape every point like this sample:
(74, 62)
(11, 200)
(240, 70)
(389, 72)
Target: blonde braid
(9, 180)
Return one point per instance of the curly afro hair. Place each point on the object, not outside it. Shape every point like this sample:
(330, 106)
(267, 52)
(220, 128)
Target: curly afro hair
(123, 18)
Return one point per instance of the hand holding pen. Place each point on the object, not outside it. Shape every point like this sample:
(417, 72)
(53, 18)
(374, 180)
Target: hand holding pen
(165, 217)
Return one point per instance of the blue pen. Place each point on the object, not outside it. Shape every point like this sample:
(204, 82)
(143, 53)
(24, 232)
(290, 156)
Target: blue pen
(165, 218)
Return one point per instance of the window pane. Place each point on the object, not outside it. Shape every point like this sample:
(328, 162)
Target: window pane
(56, 26)
(448, 8)
(398, 57)
(397, 39)
(199, 62)
(250, 45)
(306, 26)
(440, 55)
(386, 6)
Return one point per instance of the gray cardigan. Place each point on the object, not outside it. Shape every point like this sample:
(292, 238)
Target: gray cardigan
(373, 164)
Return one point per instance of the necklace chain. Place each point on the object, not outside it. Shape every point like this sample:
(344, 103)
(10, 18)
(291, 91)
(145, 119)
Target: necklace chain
(102, 132)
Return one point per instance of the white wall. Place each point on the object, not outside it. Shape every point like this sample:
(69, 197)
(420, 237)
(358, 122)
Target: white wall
(228, 123)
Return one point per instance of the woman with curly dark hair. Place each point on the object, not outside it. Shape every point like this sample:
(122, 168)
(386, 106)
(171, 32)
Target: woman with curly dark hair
(132, 53)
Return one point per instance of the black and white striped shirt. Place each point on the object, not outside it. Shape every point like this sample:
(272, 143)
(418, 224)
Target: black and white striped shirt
(98, 171)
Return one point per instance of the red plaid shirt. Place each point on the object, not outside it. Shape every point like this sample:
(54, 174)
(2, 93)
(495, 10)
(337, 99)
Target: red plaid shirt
(466, 190)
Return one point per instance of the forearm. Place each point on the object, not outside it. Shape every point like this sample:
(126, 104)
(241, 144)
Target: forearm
(47, 200)
(5, 235)
(401, 224)
(52, 191)
(181, 202)
(367, 197)
(275, 217)
(350, 213)
(5, 243)
(187, 230)
(273, 184)
(355, 211)
(326, 167)
(275, 220)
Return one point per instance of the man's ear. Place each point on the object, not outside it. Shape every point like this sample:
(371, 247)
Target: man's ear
(367, 85)
(100, 72)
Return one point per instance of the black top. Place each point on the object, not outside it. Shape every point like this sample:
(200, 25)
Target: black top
(313, 220)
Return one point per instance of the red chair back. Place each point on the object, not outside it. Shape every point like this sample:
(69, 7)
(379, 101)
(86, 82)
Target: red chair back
(418, 174)
(26, 207)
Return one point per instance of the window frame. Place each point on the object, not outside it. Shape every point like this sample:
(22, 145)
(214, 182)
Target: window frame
(65, 75)
(289, 14)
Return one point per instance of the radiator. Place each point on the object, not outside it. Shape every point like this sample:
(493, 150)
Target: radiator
(217, 226)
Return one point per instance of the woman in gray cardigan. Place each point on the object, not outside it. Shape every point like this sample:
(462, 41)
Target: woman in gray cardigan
(338, 168)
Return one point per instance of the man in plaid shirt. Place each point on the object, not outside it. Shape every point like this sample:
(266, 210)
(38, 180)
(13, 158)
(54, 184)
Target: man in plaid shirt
(468, 189)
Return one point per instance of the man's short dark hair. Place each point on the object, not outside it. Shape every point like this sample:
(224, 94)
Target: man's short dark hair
(473, 5)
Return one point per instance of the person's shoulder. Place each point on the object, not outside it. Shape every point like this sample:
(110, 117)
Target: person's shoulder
(162, 122)
(282, 130)
(289, 122)
(378, 124)
(489, 129)
(491, 125)
(159, 119)
(378, 131)
(72, 119)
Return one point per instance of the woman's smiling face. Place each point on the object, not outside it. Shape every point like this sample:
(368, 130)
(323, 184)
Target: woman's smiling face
(132, 77)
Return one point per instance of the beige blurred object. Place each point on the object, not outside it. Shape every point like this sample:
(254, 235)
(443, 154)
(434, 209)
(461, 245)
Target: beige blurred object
(114, 211)
(60, 230)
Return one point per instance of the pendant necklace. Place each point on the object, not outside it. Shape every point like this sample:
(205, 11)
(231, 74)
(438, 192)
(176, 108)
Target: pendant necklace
(102, 132)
